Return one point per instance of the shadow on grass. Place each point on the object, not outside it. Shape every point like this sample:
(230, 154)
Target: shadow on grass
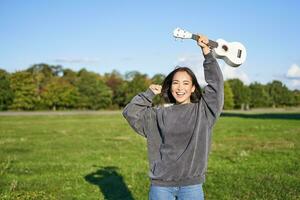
(110, 183)
(264, 115)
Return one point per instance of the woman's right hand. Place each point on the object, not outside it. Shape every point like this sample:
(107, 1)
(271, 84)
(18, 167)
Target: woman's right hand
(203, 43)
(156, 89)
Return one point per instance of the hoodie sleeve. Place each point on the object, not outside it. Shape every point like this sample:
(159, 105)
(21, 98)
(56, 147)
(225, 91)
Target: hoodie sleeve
(139, 111)
(213, 95)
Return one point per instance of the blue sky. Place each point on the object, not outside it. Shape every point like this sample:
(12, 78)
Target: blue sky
(137, 35)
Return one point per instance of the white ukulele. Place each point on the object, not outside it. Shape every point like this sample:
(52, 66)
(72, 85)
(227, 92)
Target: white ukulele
(233, 53)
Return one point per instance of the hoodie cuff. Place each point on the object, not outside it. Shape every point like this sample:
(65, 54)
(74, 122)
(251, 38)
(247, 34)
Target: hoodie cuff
(209, 56)
(149, 94)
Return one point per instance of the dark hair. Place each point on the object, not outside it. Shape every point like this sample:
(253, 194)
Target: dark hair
(166, 87)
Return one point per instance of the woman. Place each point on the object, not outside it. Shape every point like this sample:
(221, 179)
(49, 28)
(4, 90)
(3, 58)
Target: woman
(179, 136)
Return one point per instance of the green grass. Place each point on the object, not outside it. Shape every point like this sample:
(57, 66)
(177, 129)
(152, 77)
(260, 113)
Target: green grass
(100, 157)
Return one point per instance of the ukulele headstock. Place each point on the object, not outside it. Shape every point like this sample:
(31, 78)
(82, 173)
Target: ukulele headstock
(180, 33)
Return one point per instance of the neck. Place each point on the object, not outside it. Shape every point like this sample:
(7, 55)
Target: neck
(181, 103)
(211, 43)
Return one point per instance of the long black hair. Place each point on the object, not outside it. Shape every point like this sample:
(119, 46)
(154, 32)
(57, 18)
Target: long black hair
(166, 87)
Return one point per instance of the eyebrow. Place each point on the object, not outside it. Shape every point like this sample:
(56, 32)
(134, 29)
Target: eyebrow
(182, 81)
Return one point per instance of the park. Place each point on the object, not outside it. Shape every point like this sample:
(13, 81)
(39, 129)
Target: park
(96, 155)
(134, 100)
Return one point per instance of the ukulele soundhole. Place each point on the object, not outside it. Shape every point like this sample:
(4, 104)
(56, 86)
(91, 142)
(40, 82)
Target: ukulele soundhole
(225, 48)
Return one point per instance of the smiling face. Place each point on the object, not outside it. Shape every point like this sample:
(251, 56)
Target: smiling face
(182, 87)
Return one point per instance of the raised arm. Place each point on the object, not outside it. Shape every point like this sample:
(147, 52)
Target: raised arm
(213, 95)
(139, 111)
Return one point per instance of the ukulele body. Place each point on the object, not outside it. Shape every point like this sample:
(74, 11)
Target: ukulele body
(233, 53)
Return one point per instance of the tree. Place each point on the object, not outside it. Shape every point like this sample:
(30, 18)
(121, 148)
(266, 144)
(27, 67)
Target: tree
(280, 95)
(241, 93)
(70, 76)
(158, 79)
(120, 96)
(136, 83)
(228, 96)
(24, 89)
(116, 83)
(296, 97)
(259, 97)
(94, 94)
(6, 93)
(47, 70)
(60, 94)
(42, 74)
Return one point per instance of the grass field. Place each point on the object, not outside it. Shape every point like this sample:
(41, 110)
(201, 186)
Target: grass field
(98, 156)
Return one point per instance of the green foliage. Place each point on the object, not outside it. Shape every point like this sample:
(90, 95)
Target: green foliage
(136, 83)
(94, 94)
(45, 69)
(116, 83)
(120, 94)
(158, 79)
(228, 96)
(23, 86)
(6, 93)
(42, 75)
(44, 87)
(296, 97)
(241, 93)
(70, 76)
(280, 95)
(59, 94)
(259, 96)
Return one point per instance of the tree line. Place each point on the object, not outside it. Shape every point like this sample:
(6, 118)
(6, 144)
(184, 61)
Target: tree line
(51, 87)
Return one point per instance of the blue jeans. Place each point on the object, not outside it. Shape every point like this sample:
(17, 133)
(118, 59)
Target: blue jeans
(191, 192)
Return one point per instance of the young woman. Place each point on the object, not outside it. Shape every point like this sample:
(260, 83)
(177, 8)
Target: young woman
(179, 136)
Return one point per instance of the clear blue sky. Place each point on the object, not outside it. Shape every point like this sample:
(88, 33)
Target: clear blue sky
(137, 35)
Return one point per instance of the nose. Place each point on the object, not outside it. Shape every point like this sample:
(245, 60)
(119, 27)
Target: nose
(180, 86)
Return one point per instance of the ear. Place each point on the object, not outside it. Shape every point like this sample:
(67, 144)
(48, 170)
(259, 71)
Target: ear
(193, 88)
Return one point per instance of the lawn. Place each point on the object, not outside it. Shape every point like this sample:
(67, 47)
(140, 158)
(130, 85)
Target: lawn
(98, 156)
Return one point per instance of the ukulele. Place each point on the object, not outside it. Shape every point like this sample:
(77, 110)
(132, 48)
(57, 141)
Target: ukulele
(233, 53)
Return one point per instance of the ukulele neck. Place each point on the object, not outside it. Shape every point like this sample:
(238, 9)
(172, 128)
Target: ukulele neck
(211, 43)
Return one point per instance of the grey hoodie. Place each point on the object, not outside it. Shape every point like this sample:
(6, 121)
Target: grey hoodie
(179, 136)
